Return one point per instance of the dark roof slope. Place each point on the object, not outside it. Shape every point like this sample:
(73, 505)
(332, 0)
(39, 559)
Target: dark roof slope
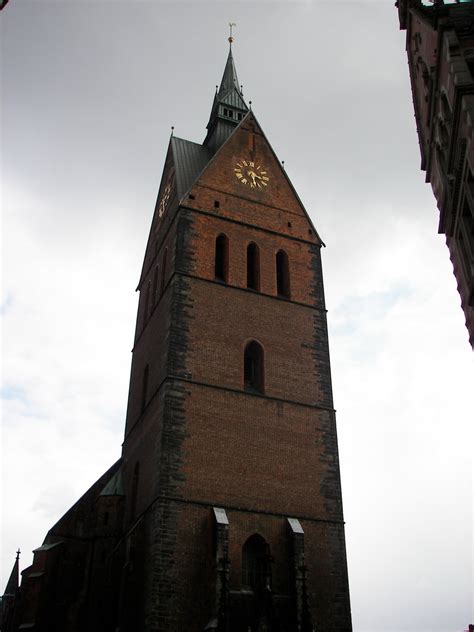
(189, 160)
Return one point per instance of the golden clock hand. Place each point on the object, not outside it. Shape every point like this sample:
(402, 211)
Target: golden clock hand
(254, 175)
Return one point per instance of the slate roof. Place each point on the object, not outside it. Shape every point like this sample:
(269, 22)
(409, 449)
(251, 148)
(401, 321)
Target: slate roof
(229, 78)
(114, 487)
(189, 159)
(229, 90)
(46, 547)
(13, 581)
(229, 94)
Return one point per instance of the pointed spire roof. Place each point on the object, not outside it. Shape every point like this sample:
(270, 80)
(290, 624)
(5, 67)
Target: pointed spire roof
(228, 107)
(229, 80)
(13, 582)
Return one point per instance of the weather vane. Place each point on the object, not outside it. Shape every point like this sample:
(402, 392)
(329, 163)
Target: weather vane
(231, 24)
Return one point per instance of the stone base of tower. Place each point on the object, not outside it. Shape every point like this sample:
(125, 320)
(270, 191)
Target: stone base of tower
(233, 570)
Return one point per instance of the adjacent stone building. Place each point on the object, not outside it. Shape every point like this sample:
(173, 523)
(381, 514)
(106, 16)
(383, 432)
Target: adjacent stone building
(224, 511)
(440, 48)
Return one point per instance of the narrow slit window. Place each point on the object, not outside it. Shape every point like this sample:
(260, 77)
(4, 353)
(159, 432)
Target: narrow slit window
(253, 368)
(146, 307)
(163, 271)
(155, 284)
(221, 260)
(145, 388)
(253, 267)
(282, 274)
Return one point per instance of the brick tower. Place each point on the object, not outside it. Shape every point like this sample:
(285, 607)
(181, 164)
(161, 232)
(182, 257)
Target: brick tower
(224, 512)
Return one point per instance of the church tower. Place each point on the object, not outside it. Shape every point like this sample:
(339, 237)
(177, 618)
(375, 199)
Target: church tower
(224, 511)
(233, 516)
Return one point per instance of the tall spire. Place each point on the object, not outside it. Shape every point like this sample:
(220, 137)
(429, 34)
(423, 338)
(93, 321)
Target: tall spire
(13, 582)
(229, 80)
(229, 107)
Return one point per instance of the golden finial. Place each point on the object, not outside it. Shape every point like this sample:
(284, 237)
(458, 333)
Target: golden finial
(231, 39)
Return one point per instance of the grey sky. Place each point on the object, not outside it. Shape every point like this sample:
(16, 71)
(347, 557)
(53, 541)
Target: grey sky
(89, 93)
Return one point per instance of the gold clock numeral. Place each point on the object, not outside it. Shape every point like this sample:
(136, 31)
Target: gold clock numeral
(250, 173)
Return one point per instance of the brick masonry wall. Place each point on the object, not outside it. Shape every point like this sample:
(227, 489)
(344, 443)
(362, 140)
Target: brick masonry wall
(248, 451)
(208, 226)
(182, 548)
(203, 441)
(270, 207)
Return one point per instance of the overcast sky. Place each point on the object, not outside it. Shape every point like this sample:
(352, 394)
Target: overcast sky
(89, 93)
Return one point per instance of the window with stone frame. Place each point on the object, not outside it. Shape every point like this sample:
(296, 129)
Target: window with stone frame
(255, 563)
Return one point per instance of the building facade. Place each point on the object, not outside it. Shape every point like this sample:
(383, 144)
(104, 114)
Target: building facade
(440, 49)
(224, 511)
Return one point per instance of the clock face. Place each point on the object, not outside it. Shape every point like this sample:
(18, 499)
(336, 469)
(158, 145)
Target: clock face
(251, 174)
(165, 196)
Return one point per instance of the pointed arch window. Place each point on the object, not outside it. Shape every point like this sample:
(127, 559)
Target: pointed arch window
(255, 563)
(282, 274)
(221, 258)
(253, 267)
(253, 367)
